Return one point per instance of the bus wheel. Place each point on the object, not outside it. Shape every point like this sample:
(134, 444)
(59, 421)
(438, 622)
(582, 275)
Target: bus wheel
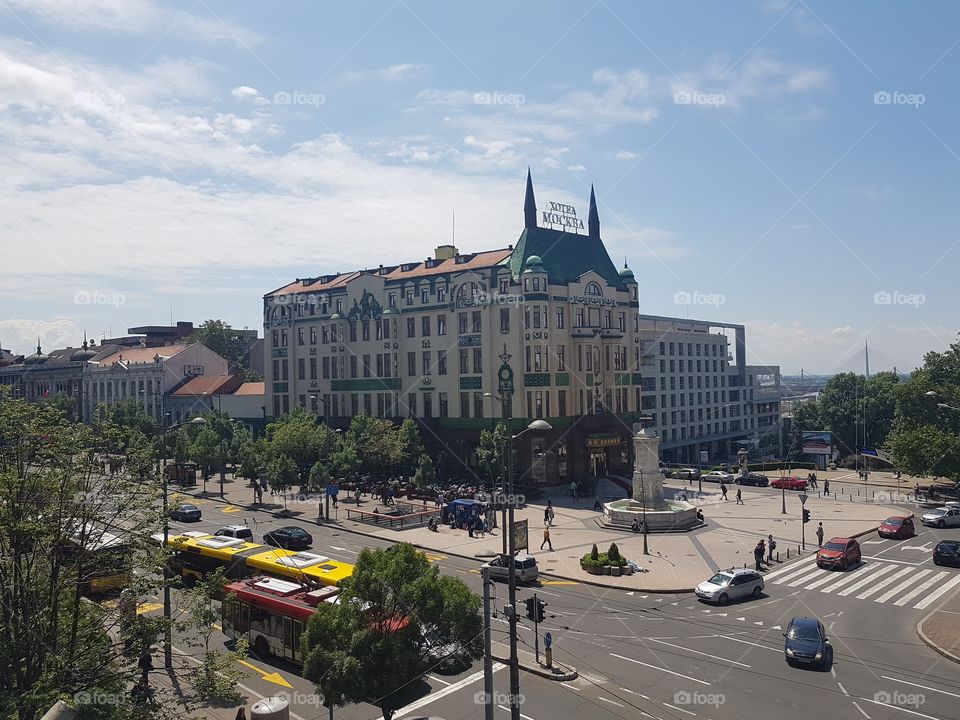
(261, 647)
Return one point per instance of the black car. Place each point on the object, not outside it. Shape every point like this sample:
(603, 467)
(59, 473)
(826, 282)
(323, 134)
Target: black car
(186, 512)
(947, 552)
(289, 538)
(752, 479)
(807, 643)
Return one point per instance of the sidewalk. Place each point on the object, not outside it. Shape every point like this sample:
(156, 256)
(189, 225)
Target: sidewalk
(675, 563)
(941, 629)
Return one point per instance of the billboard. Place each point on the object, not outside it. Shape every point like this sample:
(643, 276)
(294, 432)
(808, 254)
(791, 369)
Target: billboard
(817, 442)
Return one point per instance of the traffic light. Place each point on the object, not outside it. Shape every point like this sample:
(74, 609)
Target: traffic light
(531, 608)
(806, 515)
(541, 615)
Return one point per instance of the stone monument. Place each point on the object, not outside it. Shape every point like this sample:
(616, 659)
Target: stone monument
(647, 478)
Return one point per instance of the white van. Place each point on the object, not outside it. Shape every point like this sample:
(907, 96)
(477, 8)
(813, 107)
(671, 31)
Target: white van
(526, 565)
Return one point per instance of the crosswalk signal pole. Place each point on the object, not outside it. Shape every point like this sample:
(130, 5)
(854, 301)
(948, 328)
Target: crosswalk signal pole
(487, 649)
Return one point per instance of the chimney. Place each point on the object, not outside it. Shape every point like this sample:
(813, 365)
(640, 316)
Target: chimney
(445, 252)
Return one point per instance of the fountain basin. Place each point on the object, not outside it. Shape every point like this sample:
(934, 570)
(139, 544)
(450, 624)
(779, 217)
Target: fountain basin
(661, 515)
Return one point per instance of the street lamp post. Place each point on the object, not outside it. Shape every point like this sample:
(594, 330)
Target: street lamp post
(167, 632)
(643, 500)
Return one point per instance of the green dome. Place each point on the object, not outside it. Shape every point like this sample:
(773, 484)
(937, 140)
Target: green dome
(534, 265)
(626, 273)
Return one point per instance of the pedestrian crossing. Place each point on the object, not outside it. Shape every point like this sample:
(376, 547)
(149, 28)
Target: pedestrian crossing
(876, 581)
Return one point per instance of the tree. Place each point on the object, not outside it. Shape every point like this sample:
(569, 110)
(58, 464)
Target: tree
(282, 473)
(490, 453)
(206, 451)
(397, 616)
(426, 475)
(220, 337)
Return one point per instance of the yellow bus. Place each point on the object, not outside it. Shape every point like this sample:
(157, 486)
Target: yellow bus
(197, 553)
(102, 559)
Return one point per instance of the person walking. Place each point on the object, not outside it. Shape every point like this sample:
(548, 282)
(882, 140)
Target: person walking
(550, 513)
(771, 546)
(916, 493)
(241, 714)
(546, 539)
(145, 663)
(723, 490)
(826, 487)
(813, 480)
(758, 556)
(546, 515)
(739, 497)
(820, 535)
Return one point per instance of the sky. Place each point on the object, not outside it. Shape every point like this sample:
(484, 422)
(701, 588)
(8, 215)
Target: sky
(792, 166)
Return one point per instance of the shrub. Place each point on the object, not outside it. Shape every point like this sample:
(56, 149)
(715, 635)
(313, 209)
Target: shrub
(613, 553)
(593, 552)
(589, 560)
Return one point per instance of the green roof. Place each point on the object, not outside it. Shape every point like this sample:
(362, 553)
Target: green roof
(566, 256)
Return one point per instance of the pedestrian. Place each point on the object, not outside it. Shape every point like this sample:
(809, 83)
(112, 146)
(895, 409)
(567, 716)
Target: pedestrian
(771, 546)
(820, 535)
(826, 487)
(739, 497)
(550, 512)
(723, 490)
(573, 490)
(145, 663)
(916, 492)
(546, 539)
(758, 555)
(546, 516)
(596, 504)
(241, 714)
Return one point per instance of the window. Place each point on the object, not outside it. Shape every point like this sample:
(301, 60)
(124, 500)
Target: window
(536, 317)
(478, 404)
(536, 284)
(412, 404)
(441, 324)
(336, 367)
(561, 358)
(411, 327)
(313, 368)
(623, 322)
(410, 297)
(537, 359)
(426, 362)
(562, 403)
(476, 321)
(504, 287)
(379, 326)
(365, 327)
(379, 366)
(325, 335)
(386, 330)
(526, 284)
(478, 361)
(380, 412)
(504, 321)
(424, 299)
(464, 362)
(559, 318)
(340, 305)
(367, 404)
(462, 323)
(354, 404)
(592, 289)
(538, 403)
(425, 322)
(441, 362)
(464, 405)
(366, 366)
(442, 297)
(578, 321)
(325, 368)
(411, 363)
(353, 366)
(276, 338)
(313, 336)
(301, 369)
(300, 337)
(283, 338)
(353, 332)
(427, 405)
(392, 300)
(444, 409)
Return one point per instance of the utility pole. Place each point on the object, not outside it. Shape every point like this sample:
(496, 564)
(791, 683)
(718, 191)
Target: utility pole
(487, 649)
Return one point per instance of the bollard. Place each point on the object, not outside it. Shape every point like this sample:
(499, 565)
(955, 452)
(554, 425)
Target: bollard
(549, 657)
(778, 556)
(788, 553)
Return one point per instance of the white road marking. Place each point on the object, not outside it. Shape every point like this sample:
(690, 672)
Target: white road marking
(747, 642)
(794, 572)
(936, 593)
(866, 581)
(925, 687)
(901, 709)
(607, 700)
(449, 690)
(807, 577)
(930, 582)
(847, 578)
(902, 586)
(661, 669)
(504, 707)
(697, 652)
(674, 707)
(883, 583)
(439, 680)
(634, 692)
(842, 688)
(793, 567)
(861, 710)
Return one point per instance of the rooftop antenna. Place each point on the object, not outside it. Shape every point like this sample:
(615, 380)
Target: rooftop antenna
(453, 230)
(866, 358)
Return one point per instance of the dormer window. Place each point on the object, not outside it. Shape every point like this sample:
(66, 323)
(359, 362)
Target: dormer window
(593, 288)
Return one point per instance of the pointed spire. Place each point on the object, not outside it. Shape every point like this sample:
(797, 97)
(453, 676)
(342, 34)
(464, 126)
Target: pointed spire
(38, 344)
(529, 204)
(85, 345)
(593, 219)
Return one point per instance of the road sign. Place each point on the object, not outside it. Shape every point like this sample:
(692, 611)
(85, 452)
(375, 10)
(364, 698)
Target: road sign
(547, 640)
(803, 498)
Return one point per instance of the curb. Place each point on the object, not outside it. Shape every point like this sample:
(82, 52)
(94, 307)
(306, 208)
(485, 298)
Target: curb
(932, 645)
(570, 674)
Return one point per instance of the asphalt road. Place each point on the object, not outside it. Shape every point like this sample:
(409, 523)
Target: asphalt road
(667, 656)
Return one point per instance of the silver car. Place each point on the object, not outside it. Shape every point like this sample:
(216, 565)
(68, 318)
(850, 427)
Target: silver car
(729, 585)
(526, 567)
(946, 516)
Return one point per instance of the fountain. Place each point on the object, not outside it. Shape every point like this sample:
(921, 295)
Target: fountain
(648, 503)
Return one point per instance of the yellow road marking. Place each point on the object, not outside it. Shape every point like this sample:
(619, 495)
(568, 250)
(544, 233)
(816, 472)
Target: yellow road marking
(273, 677)
(148, 607)
(560, 582)
(231, 509)
(433, 557)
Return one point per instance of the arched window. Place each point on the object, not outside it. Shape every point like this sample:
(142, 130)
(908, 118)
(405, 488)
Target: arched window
(471, 291)
(592, 288)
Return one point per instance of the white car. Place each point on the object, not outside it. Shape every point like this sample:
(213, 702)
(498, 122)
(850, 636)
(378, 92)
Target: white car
(729, 585)
(235, 531)
(946, 516)
(526, 567)
(718, 476)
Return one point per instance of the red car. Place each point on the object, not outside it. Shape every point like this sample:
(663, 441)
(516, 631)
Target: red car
(898, 527)
(841, 553)
(790, 483)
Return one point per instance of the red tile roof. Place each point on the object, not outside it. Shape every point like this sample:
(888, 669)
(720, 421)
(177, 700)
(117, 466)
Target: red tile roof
(208, 385)
(140, 354)
(251, 388)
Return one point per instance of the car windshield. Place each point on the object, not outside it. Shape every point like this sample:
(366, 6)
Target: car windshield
(528, 563)
(835, 546)
(937, 512)
(296, 531)
(721, 579)
(804, 632)
(188, 508)
(893, 521)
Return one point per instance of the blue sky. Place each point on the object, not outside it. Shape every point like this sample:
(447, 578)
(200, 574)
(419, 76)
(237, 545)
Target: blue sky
(792, 166)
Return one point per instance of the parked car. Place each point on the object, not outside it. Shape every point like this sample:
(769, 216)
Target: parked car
(790, 483)
(840, 552)
(686, 473)
(729, 585)
(186, 513)
(235, 531)
(752, 479)
(718, 476)
(898, 527)
(526, 568)
(289, 537)
(807, 643)
(947, 552)
(946, 516)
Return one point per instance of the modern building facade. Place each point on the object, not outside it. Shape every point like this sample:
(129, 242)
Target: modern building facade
(703, 399)
(425, 340)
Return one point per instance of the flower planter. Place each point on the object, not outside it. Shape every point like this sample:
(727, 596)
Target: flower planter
(593, 569)
(615, 570)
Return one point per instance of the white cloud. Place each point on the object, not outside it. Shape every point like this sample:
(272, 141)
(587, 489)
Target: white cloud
(401, 71)
(626, 155)
(244, 92)
(128, 16)
(19, 335)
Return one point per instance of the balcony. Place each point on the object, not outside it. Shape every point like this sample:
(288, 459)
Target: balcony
(585, 331)
(611, 333)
